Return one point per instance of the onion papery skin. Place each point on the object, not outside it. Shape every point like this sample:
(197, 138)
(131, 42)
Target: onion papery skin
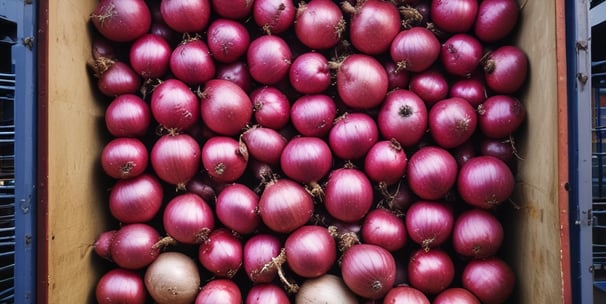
(264, 144)
(121, 21)
(236, 72)
(327, 288)
(385, 162)
(269, 59)
(119, 78)
(149, 56)
(310, 251)
(415, 49)
(124, 158)
(491, 280)
(313, 115)
(430, 85)
(348, 194)
(473, 90)
(236, 208)
(224, 159)
(485, 182)
(368, 270)
(361, 81)
(310, 73)
(431, 172)
(461, 54)
(429, 224)
(303, 153)
(186, 16)
(383, 228)
(223, 100)
(454, 16)
(136, 200)
(192, 63)
(319, 24)
(133, 246)
(477, 233)
(456, 295)
(352, 135)
(274, 16)
(173, 278)
(430, 271)
(128, 116)
(404, 117)
(372, 35)
(506, 69)
(496, 19)
(406, 295)
(227, 40)
(271, 107)
(102, 245)
(285, 205)
(452, 122)
(232, 9)
(188, 219)
(266, 293)
(221, 254)
(120, 286)
(175, 159)
(259, 250)
(174, 106)
(220, 291)
(500, 116)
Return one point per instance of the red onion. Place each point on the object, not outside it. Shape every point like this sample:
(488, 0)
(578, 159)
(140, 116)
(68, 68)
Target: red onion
(116, 78)
(133, 246)
(120, 286)
(398, 197)
(369, 34)
(268, 58)
(430, 85)
(396, 78)
(173, 278)
(502, 149)
(306, 160)
(285, 205)
(124, 158)
(236, 208)
(454, 16)
(490, 279)
(327, 288)
(430, 271)
(385, 162)
(176, 159)
(500, 116)
(264, 144)
(221, 253)
(477, 233)
(348, 194)
(220, 291)
(224, 158)
(224, 101)
(202, 186)
(188, 219)
(159, 26)
(236, 72)
(191, 62)
(403, 116)
(310, 251)
(232, 9)
(121, 21)
(136, 200)
(415, 49)
(266, 294)
(385, 229)
(259, 252)
(102, 245)
(128, 116)
(227, 40)
(149, 56)
(496, 19)
(101, 48)
(465, 152)
(271, 107)
(368, 270)
(273, 16)
(473, 90)
(452, 122)
(319, 24)
(405, 295)
(310, 73)
(461, 54)
(361, 81)
(429, 224)
(455, 295)
(431, 172)
(186, 16)
(174, 106)
(313, 115)
(352, 135)
(485, 182)
(506, 69)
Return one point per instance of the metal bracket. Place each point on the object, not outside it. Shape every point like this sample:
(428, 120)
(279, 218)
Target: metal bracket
(29, 42)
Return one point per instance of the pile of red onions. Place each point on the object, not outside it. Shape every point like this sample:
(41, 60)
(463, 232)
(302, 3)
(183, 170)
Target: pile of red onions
(271, 151)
